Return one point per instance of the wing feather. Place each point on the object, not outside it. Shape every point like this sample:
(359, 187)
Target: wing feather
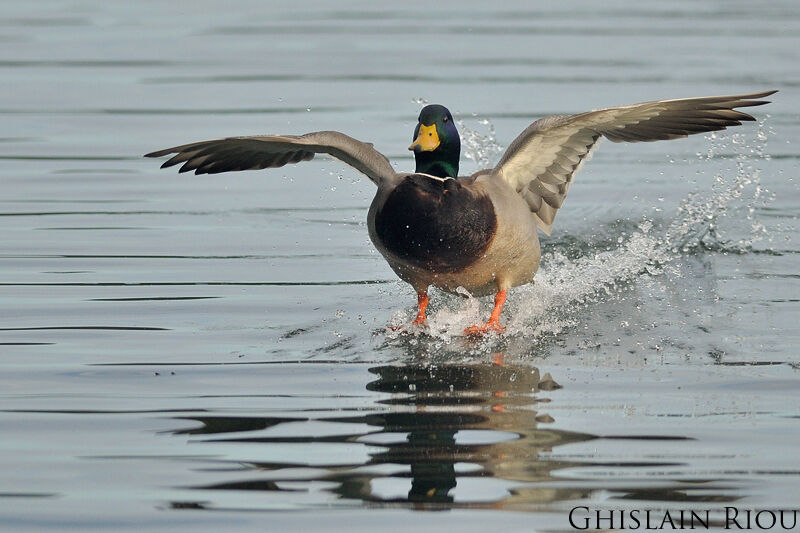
(273, 151)
(541, 163)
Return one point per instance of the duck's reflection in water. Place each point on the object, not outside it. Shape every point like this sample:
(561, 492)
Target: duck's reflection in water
(445, 423)
(473, 435)
(461, 421)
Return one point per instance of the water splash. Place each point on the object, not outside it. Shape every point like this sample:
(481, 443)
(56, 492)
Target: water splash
(483, 149)
(577, 272)
(706, 219)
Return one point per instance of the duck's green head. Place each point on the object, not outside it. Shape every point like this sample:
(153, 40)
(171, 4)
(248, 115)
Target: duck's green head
(436, 146)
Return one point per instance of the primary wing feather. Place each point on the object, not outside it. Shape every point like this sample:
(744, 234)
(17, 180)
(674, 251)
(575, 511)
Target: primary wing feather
(541, 163)
(273, 151)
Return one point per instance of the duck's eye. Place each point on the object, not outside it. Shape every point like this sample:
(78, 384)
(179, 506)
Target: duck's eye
(430, 134)
(445, 119)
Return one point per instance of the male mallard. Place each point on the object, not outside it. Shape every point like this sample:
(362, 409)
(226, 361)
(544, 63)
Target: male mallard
(478, 232)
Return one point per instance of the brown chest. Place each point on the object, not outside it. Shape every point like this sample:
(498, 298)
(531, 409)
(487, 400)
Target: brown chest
(438, 225)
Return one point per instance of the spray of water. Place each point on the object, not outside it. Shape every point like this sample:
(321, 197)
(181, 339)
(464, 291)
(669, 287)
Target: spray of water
(722, 219)
(482, 148)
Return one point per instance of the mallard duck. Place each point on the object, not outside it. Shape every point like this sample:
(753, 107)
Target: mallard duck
(478, 232)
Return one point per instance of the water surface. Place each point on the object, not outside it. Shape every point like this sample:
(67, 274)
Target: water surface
(212, 352)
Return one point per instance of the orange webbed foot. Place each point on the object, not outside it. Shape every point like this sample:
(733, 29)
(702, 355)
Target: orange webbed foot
(493, 325)
(490, 327)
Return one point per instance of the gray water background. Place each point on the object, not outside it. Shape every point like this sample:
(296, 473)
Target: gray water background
(211, 353)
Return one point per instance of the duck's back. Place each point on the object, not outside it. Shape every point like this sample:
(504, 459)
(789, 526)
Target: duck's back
(441, 225)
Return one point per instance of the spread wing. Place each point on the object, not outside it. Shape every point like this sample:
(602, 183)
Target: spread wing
(273, 151)
(542, 161)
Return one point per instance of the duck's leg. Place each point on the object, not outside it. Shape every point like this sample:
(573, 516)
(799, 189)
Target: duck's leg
(422, 302)
(494, 320)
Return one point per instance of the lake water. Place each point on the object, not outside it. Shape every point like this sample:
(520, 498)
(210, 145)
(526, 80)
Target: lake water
(212, 353)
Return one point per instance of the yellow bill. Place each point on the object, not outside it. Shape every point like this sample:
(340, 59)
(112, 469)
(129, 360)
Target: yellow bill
(427, 138)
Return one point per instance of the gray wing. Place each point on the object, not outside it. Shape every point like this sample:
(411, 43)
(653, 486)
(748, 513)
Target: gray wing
(273, 151)
(542, 161)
